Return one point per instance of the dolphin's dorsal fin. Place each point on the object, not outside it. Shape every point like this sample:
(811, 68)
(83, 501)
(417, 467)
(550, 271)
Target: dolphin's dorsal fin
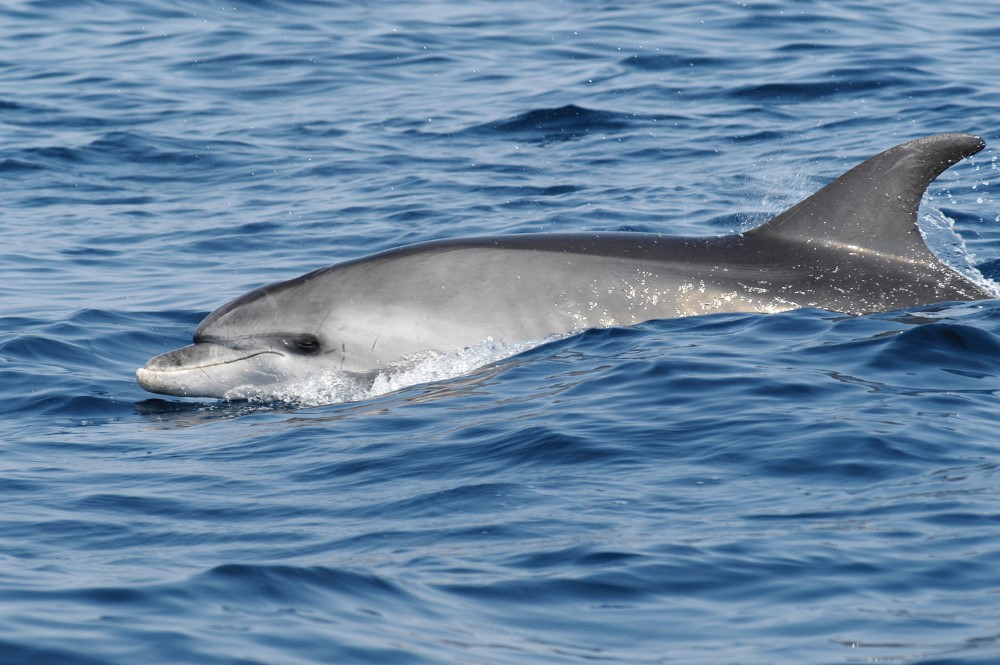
(874, 205)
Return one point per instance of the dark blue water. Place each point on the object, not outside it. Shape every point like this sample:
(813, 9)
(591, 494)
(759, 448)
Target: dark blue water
(795, 488)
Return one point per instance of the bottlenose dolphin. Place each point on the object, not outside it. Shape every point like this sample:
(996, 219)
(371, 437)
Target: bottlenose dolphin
(851, 247)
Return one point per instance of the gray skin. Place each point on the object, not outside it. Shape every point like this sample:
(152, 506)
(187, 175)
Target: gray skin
(852, 247)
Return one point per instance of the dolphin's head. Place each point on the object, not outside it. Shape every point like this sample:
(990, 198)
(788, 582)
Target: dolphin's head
(260, 339)
(220, 367)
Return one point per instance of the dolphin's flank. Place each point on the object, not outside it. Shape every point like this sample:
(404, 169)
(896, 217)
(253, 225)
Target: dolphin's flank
(852, 247)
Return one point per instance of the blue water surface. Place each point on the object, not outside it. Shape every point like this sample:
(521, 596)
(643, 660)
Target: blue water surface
(794, 488)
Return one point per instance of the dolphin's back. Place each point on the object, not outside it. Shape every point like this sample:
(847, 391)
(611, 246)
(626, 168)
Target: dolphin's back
(854, 247)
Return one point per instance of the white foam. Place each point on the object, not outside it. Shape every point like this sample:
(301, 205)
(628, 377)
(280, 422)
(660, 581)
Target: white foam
(939, 233)
(337, 387)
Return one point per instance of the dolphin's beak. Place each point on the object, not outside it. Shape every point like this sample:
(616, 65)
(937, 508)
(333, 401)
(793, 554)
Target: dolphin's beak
(204, 369)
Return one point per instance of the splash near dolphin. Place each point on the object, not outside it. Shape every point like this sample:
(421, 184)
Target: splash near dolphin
(853, 247)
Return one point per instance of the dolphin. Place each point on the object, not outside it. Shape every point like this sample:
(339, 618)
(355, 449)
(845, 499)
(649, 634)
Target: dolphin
(852, 247)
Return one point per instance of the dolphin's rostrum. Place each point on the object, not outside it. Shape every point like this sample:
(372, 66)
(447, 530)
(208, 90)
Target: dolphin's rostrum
(852, 247)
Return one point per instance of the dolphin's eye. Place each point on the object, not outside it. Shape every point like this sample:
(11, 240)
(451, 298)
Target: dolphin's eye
(307, 344)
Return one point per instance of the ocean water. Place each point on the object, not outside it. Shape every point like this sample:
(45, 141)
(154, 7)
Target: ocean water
(796, 488)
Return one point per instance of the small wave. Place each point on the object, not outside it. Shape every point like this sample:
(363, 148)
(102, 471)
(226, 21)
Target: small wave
(563, 123)
(293, 583)
(951, 347)
(18, 165)
(144, 148)
(670, 61)
(15, 652)
(807, 91)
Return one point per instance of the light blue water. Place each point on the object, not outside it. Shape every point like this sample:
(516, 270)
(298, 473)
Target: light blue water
(795, 488)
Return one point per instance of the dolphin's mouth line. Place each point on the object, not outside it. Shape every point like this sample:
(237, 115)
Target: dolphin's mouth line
(189, 368)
